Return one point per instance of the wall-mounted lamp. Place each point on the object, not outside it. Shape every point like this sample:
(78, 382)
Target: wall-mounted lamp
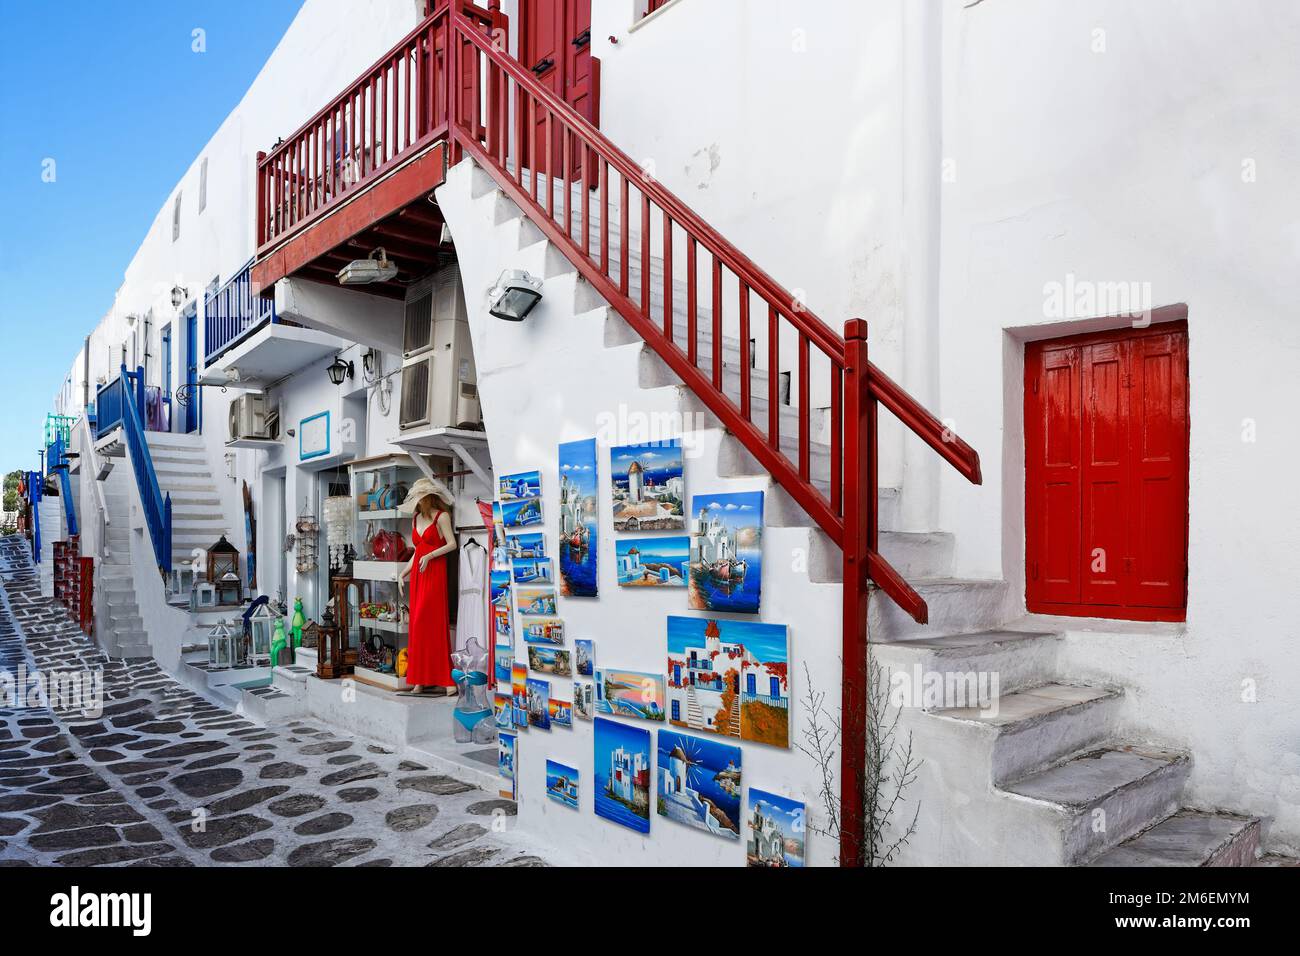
(377, 268)
(179, 295)
(370, 362)
(514, 296)
(130, 320)
(340, 370)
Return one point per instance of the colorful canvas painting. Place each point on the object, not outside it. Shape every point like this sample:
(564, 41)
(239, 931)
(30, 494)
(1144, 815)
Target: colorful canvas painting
(500, 553)
(699, 783)
(537, 602)
(579, 511)
(726, 552)
(519, 693)
(534, 571)
(503, 711)
(648, 487)
(503, 657)
(622, 774)
(584, 700)
(539, 703)
(542, 630)
(586, 653)
(499, 593)
(630, 694)
(506, 755)
(522, 514)
(520, 487)
(561, 712)
(776, 830)
(653, 562)
(531, 545)
(730, 678)
(562, 783)
(550, 660)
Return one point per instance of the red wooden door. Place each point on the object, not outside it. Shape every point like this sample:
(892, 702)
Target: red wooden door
(1106, 474)
(555, 44)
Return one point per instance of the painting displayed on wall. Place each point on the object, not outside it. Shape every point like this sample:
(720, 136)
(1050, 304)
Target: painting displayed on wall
(579, 532)
(538, 602)
(653, 562)
(776, 830)
(500, 553)
(562, 783)
(648, 487)
(520, 487)
(584, 700)
(561, 712)
(630, 694)
(531, 545)
(519, 693)
(539, 703)
(730, 678)
(535, 571)
(586, 652)
(622, 774)
(502, 656)
(503, 710)
(525, 513)
(726, 552)
(542, 630)
(499, 593)
(549, 660)
(506, 755)
(699, 783)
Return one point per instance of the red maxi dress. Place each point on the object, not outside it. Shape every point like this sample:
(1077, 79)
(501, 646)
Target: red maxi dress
(428, 651)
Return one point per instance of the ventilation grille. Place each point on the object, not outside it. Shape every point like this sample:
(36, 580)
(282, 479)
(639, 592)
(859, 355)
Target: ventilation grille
(415, 394)
(418, 335)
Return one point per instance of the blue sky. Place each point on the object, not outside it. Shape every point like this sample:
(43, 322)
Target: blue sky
(112, 91)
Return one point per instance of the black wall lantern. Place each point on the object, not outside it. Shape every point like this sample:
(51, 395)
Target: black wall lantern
(339, 371)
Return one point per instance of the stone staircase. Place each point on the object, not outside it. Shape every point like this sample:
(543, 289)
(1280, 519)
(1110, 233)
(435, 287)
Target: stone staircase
(1050, 775)
(181, 464)
(122, 634)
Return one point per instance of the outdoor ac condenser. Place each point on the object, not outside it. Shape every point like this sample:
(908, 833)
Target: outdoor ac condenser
(439, 383)
(248, 418)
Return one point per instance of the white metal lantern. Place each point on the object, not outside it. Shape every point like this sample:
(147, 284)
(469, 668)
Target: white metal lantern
(261, 625)
(221, 647)
(203, 597)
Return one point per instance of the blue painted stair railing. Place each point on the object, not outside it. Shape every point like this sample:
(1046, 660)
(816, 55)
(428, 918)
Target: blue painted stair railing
(56, 462)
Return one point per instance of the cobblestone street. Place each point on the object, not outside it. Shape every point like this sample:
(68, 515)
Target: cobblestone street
(166, 778)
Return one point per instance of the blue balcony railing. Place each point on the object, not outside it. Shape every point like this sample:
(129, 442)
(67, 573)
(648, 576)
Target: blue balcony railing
(57, 464)
(232, 313)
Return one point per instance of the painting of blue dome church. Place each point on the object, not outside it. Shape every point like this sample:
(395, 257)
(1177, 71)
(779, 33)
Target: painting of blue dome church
(648, 486)
(526, 484)
(653, 562)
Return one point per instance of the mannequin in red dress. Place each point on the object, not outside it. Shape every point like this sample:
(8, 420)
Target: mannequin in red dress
(428, 649)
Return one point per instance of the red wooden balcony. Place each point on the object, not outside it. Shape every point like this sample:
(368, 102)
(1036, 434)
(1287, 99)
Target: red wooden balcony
(355, 176)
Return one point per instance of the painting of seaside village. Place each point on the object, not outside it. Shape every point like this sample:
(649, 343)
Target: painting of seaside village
(579, 533)
(499, 592)
(776, 830)
(730, 678)
(535, 571)
(586, 653)
(549, 660)
(622, 774)
(560, 712)
(562, 784)
(527, 484)
(653, 562)
(500, 556)
(584, 700)
(542, 630)
(523, 513)
(537, 602)
(699, 783)
(648, 487)
(524, 546)
(539, 703)
(519, 693)
(630, 694)
(726, 552)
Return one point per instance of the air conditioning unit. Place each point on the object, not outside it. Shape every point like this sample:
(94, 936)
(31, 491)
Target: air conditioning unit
(249, 419)
(439, 382)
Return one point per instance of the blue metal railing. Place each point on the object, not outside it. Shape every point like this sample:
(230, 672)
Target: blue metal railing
(35, 485)
(56, 462)
(120, 404)
(232, 313)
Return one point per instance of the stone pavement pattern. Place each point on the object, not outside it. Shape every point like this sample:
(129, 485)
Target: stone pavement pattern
(166, 778)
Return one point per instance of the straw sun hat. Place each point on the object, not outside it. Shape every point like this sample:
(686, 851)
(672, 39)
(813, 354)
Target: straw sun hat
(422, 489)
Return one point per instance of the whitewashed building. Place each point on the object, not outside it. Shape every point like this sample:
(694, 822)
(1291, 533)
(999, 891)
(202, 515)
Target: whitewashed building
(1068, 247)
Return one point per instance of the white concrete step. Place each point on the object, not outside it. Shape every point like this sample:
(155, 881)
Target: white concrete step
(1105, 796)
(1021, 659)
(956, 606)
(1034, 728)
(1190, 838)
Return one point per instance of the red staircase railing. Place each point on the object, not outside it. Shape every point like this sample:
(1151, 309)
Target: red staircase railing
(529, 141)
(565, 174)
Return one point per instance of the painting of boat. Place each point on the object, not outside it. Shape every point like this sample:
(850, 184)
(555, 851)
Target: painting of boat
(726, 552)
(579, 512)
(562, 783)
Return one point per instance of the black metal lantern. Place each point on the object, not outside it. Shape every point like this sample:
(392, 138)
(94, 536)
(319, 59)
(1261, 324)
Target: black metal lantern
(340, 370)
(223, 571)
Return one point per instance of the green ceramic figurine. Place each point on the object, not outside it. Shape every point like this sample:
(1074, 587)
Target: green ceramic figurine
(299, 622)
(279, 641)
